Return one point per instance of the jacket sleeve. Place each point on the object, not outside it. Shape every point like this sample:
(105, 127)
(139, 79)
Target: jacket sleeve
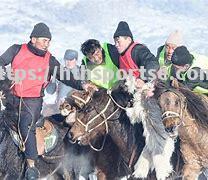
(142, 56)
(57, 70)
(8, 56)
(192, 83)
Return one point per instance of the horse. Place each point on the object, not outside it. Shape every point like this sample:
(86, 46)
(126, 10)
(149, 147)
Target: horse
(52, 163)
(106, 159)
(12, 162)
(185, 115)
(105, 116)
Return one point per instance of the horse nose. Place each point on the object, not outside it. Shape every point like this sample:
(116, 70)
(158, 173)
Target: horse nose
(170, 129)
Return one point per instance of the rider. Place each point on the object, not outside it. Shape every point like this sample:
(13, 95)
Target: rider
(101, 61)
(34, 60)
(70, 60)
(133, 55)
(189, 69)
(164, 52)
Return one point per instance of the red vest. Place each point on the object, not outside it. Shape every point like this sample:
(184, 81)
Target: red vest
(126, 62)
(35, 69)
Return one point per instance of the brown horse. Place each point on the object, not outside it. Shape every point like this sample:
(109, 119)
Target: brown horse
(104, 114)
(185, 114)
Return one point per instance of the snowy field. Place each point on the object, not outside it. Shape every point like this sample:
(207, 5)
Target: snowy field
(74, 21)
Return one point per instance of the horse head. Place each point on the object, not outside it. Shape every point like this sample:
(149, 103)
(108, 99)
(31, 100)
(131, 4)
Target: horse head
(173, 104)
(92, 121)
(74, 102)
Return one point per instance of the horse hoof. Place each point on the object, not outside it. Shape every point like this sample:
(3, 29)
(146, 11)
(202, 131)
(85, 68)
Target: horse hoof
(32, 173)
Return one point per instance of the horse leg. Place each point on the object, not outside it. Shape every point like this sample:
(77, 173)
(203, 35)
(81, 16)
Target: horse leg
(142, 165)
(101, 175)
(191, 171)
(191, 168)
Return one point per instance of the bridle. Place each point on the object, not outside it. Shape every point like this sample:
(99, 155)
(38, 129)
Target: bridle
(172, 114)
(105, 120)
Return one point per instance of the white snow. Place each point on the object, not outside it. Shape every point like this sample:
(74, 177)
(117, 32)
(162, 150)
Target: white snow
(74, 21)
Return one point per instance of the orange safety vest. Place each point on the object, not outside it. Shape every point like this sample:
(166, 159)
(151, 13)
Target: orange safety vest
(35, 69)
(127, 63)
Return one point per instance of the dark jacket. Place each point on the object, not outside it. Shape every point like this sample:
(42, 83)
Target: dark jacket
(192, 83)
(8, 56)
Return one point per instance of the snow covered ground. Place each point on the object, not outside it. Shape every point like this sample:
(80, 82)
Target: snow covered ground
(74, 21)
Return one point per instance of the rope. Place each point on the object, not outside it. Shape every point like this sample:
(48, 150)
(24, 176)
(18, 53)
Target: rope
(22, 144)
(109, 93)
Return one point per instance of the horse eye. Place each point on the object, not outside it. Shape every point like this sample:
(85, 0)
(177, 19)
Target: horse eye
(177, 103)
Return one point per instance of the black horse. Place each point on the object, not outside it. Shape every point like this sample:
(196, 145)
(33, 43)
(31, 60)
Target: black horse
(54, 163)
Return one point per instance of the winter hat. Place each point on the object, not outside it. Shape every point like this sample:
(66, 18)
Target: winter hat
(175, 38)
(181, 56)
(123, 30)
(41, 30)
(70, 54)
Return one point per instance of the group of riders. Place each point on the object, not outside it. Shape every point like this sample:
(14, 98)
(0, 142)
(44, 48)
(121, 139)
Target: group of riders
(126, 54)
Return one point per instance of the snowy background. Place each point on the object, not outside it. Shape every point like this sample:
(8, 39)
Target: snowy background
(74, 21)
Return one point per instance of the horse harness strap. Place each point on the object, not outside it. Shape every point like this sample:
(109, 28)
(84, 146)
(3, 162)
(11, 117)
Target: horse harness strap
(81, 99)
(172, 114)
(109, 93)
(102, 113)
(133, 154)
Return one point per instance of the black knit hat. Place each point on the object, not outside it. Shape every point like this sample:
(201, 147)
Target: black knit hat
(41, 30)
(70, 54)
(123, 30)
(181, 56)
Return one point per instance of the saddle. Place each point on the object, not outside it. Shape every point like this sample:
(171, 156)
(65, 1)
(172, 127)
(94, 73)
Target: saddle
(46, 137)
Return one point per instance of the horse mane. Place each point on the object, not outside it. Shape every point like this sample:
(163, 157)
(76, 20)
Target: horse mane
(196, 106)
(123, 98)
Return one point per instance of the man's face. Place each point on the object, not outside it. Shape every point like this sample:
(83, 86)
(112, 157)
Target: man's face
(122, 43)
(41, 43)
(169, 49)
(96, 57)
(71, 63)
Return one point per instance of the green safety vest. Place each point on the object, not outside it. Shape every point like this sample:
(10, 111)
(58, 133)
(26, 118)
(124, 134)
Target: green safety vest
(162, 62)
(100, 74)
(201, 62)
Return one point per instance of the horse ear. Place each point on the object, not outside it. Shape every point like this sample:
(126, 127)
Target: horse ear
(175, 83)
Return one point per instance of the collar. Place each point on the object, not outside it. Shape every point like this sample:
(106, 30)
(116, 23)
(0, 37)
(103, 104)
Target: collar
(127, 48)
(35, 50)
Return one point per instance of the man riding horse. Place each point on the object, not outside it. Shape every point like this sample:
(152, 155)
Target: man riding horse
(34, 59)
(189, 70)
